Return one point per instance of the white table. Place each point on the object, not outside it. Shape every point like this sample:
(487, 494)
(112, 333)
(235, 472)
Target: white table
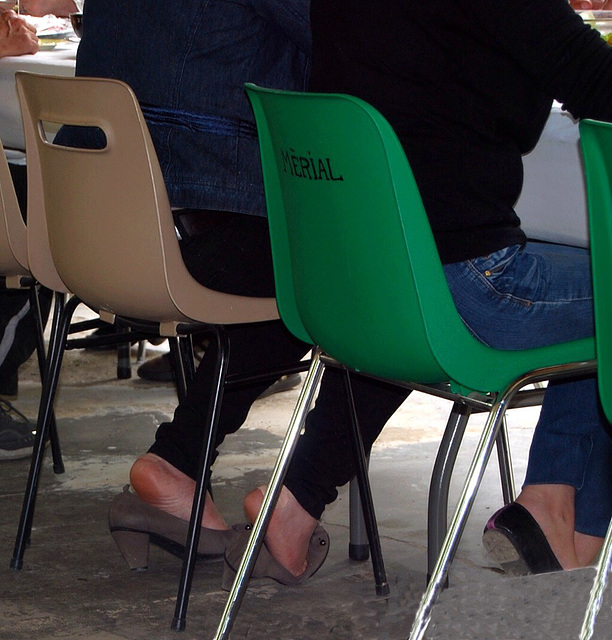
(552, 205)
(59, 61)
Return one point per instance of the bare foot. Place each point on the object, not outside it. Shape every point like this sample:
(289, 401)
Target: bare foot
(289, 531)
(552, 506)
(161, 485)
(587, 548)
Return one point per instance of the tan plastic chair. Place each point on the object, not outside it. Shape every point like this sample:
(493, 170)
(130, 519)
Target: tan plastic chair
(13, 243)
(102, 218)
(15, 274)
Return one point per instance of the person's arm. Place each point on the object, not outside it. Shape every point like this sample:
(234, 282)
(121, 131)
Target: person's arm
(44, 7)
(16, 36)
(566, 58)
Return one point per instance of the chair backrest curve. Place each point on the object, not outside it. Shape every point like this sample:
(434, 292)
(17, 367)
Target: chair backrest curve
(596, 142)
(13, 243)
(109, 223)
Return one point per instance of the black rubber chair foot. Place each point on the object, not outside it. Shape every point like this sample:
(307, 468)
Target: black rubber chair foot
(359, 552)
(124, 373)
(382, 589)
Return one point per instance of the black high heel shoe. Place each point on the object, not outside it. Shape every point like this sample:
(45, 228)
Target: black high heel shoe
(134, 524)
(515, 540)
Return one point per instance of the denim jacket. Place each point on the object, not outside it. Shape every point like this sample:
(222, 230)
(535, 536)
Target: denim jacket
(187, 62)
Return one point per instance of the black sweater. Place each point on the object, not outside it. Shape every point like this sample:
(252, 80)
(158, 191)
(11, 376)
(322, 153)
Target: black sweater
(467, 85)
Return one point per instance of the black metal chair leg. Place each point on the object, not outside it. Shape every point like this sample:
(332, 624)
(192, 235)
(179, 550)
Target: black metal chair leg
(437, 509)
(359, 548)
(193, 535)
(178, 368)
(142, 351)
(183, 365)
(54, 362)
(367, 504)
(124, 357)
(187, 357)
(58, 463)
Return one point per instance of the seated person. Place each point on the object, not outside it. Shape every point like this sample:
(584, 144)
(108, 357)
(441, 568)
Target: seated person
(468, 86)
(203, 127)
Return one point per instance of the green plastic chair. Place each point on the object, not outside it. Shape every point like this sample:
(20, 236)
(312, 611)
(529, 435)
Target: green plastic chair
(596, 142)
(354, 257)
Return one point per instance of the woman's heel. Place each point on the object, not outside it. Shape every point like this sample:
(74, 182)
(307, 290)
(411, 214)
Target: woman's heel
(134, 547)
(229, 574)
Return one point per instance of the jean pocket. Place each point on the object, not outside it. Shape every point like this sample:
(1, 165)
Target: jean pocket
(495, 263)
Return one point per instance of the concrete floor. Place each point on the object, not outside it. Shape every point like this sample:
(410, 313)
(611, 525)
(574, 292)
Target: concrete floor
(74, 583)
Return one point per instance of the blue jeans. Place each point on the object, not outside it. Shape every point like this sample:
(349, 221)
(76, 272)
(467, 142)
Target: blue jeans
(518, 298)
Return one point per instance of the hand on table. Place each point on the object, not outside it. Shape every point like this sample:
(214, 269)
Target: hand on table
(591, 5)
(59, 8)
(16, 36)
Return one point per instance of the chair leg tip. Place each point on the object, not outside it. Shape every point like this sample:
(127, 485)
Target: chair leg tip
(359, 552)
(178, 624)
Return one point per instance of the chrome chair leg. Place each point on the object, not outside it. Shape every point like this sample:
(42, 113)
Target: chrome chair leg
(437, 508)
(464, 506)
(474, 478)
(238, 590)
(505, 463)
(599, 586)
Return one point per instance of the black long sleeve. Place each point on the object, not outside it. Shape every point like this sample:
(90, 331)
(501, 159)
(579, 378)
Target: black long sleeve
(467, 86)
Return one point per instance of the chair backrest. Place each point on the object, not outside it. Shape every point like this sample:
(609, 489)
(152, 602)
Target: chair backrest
(344, 273)
(596, 142)
(356, 266)
(108, 220)
(13, 243)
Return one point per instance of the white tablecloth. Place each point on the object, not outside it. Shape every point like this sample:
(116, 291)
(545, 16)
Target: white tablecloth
(59, 61)
(552, 205)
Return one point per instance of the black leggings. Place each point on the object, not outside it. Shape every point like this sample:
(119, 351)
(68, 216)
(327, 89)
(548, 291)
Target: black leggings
(233, 256)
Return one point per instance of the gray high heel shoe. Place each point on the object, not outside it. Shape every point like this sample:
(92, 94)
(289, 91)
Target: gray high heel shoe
(134, 524)
(267, 567)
